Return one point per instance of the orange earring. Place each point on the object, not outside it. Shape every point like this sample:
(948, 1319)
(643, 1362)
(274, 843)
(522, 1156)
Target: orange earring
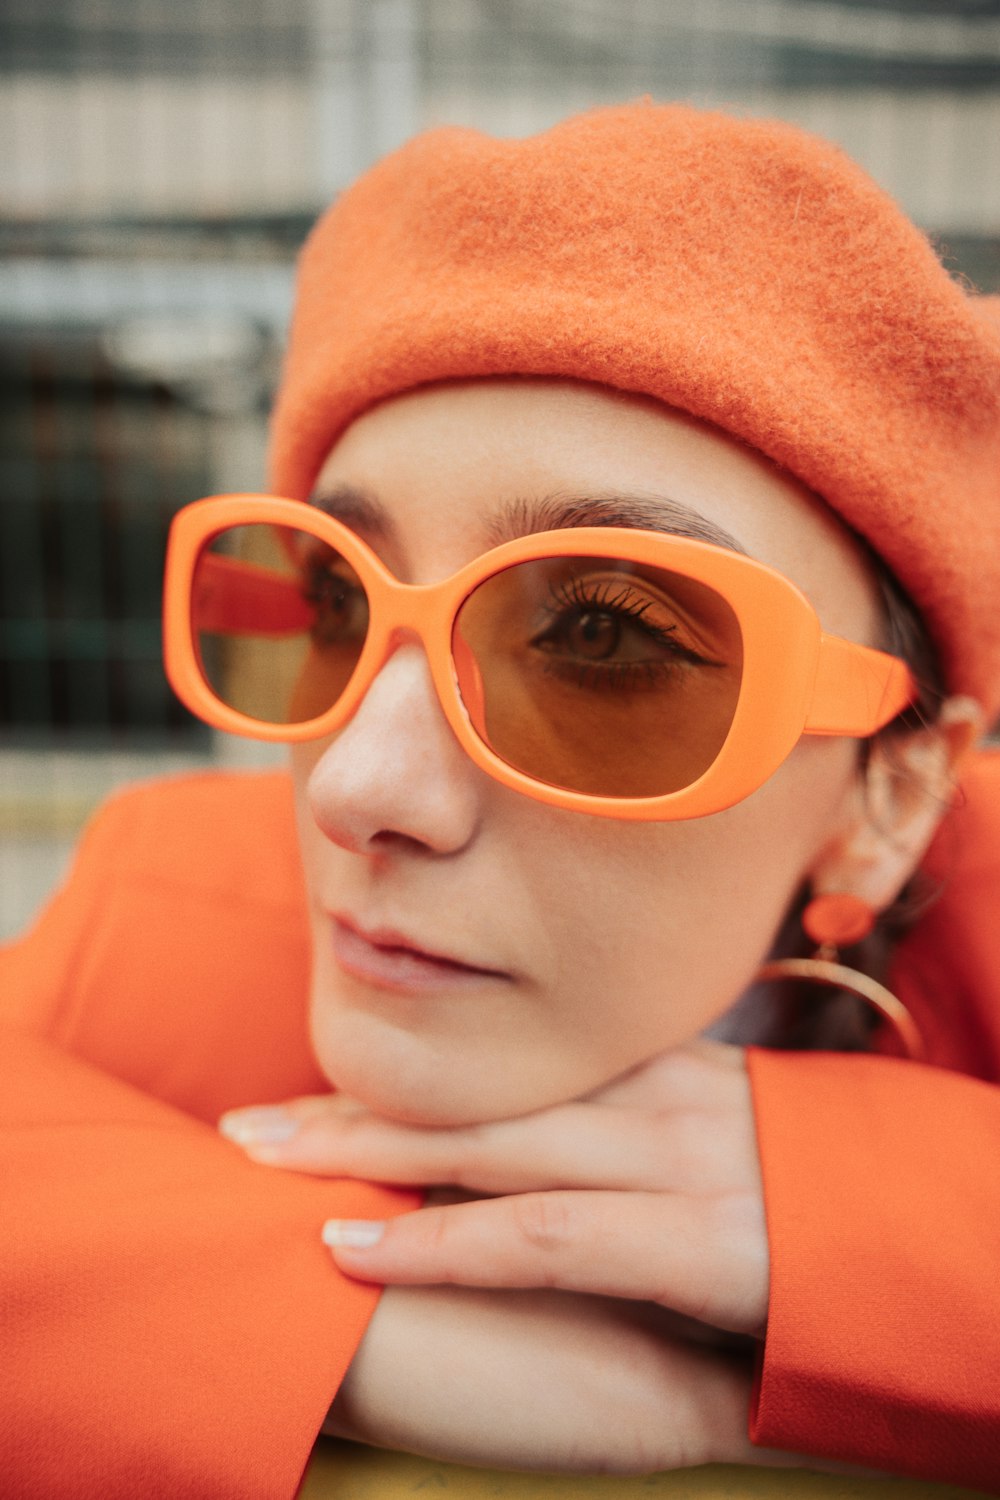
(838, 921)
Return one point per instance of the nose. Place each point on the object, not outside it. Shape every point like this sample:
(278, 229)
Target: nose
(395, 774)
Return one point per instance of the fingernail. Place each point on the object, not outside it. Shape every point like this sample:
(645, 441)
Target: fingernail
(353, 1234)
(266, 1125)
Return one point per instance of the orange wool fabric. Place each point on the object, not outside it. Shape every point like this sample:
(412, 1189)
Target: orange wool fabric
(172, 1325)
(740, 270)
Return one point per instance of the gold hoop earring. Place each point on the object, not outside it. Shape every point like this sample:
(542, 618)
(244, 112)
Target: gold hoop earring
(831, 922)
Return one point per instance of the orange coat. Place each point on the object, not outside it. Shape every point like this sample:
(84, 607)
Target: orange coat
(171, 1323)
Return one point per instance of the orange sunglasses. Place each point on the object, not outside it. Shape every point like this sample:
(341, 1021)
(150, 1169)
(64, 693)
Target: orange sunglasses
(624, 673)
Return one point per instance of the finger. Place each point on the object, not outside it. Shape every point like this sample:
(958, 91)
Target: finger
(707, 1258)
(263, 1125)
(569, 1146)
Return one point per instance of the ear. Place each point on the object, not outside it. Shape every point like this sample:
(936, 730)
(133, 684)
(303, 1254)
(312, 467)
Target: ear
(903, 793)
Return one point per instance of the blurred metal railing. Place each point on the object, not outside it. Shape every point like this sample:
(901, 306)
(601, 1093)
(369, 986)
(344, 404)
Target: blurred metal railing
(160, 166)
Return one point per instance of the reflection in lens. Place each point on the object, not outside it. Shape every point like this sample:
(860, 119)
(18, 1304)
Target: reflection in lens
(600, 676)
(279, 619)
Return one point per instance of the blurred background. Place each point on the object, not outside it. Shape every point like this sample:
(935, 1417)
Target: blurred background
(161, 163)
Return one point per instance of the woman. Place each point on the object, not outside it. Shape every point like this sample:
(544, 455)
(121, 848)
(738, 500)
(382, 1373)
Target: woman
(628, 381)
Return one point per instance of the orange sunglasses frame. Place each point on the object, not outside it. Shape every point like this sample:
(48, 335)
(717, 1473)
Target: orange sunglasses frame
(825, 685)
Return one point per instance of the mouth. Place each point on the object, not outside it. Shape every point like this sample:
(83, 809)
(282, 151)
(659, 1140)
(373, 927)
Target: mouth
(390, 961)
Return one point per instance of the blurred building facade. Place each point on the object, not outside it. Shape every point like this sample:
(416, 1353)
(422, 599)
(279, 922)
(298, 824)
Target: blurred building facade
(162, 163)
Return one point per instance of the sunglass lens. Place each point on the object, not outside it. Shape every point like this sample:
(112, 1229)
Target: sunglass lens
(600, 676)
(279, 619)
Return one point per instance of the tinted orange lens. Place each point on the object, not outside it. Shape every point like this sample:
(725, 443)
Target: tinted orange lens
(600, 676)
(279, 619)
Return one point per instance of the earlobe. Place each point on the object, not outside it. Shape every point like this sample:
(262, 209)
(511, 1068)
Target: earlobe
(904, 791)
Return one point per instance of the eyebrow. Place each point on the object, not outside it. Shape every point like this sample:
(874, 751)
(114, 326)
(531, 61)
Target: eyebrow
(356, 508)
(364, 513)
(642, 512)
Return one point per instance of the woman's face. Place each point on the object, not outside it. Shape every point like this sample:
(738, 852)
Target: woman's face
(478, 954)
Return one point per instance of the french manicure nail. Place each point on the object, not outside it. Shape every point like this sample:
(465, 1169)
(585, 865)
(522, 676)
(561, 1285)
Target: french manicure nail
(267, 1125)
(353, 1234)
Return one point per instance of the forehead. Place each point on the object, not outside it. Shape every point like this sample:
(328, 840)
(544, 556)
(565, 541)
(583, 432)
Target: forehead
(438, 475)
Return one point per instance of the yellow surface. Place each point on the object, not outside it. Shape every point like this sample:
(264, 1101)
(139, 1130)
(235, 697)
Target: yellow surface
(345, 1471)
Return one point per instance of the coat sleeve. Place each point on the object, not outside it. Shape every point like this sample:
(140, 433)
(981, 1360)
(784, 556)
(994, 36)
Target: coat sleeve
(172, 1324)
(882, 1190)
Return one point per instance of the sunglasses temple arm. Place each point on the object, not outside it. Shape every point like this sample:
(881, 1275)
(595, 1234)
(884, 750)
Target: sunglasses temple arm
(857, 690)
(230, 597)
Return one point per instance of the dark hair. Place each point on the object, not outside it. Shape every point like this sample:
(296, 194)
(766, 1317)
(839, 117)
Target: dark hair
(805, 1017)
(905, 635)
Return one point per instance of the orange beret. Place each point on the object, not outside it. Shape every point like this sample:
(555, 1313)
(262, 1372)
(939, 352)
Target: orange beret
(741, 270)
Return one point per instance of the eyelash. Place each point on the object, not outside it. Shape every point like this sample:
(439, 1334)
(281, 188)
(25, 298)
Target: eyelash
(321, 586)
(618, 601)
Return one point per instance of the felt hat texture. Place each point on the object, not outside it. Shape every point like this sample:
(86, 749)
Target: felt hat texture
(741, 270)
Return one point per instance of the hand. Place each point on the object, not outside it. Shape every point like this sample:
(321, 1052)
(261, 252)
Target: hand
(649, 1189)
(542, 1380)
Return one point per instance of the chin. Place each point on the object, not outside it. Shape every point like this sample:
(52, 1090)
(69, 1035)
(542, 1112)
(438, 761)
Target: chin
(403, 1078)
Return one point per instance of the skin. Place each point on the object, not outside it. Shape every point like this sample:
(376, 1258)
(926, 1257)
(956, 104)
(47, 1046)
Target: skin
(398, 826)
(556, 1082)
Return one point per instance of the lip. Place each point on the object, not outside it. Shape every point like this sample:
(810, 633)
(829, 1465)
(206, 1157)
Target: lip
(389, 960)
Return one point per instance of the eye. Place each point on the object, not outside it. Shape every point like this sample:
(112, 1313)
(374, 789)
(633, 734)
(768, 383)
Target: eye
(597, 634)
(612, 631)
(333, 589)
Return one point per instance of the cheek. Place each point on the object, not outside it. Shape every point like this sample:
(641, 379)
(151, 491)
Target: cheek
(633, 938)
(658, 929)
